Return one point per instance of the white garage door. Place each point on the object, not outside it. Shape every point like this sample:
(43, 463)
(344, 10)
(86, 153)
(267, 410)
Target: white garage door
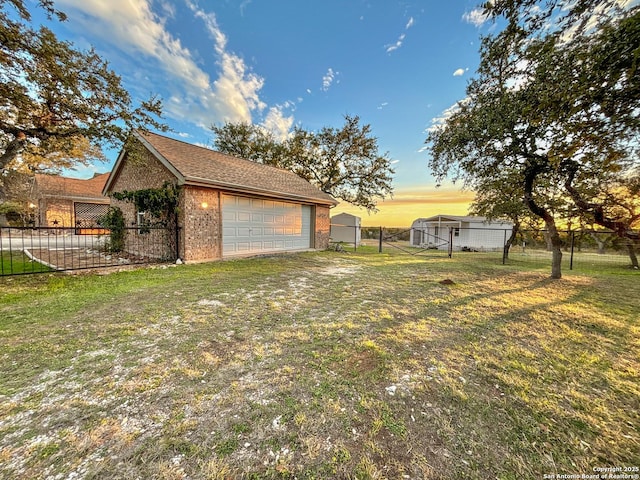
(252, 225)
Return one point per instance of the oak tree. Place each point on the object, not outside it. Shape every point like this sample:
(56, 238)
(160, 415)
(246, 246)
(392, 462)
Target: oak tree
(59, 105)
(343, 162)
(546, 106)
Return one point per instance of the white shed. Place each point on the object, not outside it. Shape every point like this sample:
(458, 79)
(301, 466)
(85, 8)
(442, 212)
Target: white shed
(469, 233)
(345, 228)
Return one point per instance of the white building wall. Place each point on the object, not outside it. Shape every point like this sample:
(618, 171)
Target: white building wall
(466, 235)
(345, 228)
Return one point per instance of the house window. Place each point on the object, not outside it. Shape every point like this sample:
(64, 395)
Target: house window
(456, 232)
(142, 222)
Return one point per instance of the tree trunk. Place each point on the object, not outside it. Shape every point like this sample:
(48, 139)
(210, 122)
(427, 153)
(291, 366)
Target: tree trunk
(599, 242)
(531, 173)
(556, 249)
(12, 150)
(548, 241)
(632, 254)
(510, 240)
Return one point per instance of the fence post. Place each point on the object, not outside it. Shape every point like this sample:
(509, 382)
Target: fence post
(355, 237)
(380, 241)
(450, 241)
(573, 242)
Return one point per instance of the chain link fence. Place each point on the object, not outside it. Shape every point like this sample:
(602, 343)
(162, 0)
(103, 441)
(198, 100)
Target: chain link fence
(582, 250)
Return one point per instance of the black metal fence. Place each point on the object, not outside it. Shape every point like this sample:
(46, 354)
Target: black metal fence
(46, 249)
(582, 250)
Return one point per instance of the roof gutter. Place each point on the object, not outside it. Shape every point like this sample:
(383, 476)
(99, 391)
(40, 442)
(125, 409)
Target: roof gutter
(235, 188)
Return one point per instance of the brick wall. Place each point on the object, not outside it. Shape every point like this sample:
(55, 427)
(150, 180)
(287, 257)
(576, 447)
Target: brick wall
(201, 221)
(323, 227)
(56, 210)
(137, 174)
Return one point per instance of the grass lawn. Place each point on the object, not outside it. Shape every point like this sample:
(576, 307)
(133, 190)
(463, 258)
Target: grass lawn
(320, 365)
(17, 262)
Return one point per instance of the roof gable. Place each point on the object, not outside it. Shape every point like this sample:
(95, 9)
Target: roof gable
(195, 165)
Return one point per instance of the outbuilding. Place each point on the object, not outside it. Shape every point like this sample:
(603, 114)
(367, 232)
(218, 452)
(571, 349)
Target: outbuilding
(465, 233)
(345, 228)
(228, 206)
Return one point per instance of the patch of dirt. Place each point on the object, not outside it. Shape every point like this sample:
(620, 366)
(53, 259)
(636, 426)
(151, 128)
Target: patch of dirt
(75, 258)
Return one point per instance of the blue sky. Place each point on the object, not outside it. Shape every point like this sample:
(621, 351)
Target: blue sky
(280, 63)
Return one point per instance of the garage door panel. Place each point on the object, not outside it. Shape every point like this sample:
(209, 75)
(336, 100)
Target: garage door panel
(243, 247)
(256, 225)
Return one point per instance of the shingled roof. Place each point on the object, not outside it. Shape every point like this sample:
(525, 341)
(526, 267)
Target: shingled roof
(57, 186)
(195, 165)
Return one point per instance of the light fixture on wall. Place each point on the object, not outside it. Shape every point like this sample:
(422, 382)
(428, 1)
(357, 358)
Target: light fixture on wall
(204, 205)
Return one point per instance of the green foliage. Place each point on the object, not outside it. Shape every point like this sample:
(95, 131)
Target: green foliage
(11, 208)
(344, 162)
(17, 214)
(56, 98)
(161, 203)
(114, 221)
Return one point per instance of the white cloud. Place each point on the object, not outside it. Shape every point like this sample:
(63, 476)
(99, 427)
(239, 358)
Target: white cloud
(382, 105)
(236, 89)
(390, 47)
(477, 17)
(132, 27)
(244, 5)
(277, 123)
(168, 9)
(593, 17)
(438, 122)
(394, 46)
(459, 72)
(328, 79)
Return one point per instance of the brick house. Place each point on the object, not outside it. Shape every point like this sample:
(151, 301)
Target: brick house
(69, 202)
(228, 206)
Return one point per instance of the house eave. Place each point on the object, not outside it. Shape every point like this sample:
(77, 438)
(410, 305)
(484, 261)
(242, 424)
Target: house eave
(80, 198)
(243, 189)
